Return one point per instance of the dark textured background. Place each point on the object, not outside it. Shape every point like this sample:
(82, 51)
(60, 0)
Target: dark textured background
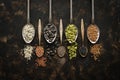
(13, 17)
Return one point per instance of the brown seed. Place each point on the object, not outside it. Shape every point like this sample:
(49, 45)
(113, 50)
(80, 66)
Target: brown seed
(96, 50)
(92, 32)
(41, 61)
(39, 51)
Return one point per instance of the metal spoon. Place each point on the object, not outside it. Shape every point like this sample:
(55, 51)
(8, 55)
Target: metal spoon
(50, 30)
(71, 20)
(39, 49)
(28, 31)
(83, 50)
(93, 32)
(61, 49)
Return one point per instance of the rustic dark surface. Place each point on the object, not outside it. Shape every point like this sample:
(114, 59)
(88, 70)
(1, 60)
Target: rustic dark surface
(13, 66)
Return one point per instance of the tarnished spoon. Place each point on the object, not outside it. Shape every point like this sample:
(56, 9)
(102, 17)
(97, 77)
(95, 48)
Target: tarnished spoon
(93, 32)
(39, 49)
(50, 30)
(83, 49)
(28, 31)
(71, 31)
(61, 49)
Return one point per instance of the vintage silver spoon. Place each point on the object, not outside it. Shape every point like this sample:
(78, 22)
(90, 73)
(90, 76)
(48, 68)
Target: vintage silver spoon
(61, 49)
(71, 28)
(93, 32)
(50, 30)
(28, 31)
(39, 49)
(83, 49)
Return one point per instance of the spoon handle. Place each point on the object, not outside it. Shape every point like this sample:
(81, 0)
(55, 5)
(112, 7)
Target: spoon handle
(61, 30)
(28, 11)
(50, 11)
(71, 15)
(82, 30)
(39, 31)
(93, 11)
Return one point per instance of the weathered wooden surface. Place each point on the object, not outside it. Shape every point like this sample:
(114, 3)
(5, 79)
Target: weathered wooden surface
(13, 17)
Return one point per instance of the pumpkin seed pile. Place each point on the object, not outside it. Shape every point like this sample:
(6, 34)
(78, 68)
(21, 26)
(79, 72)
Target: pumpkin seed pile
(72, 50)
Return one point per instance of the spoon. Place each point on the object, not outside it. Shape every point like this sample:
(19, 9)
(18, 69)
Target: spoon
(93, 31)
(61, 49)
(28, 31)
(39, 49)
(83, 50)
(50, 30)
(71, 31)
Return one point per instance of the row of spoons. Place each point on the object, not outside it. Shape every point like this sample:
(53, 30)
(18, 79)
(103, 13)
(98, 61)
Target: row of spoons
(50, 30)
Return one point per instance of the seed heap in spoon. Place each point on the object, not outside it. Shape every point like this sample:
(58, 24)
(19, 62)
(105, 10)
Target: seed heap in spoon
(71, 31)
(50, 30)
(93, 31)
(61, 49)
(39, 49)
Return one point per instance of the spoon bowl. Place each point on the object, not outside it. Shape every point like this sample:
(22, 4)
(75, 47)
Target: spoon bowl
(50, 33)
(39, 51)
(28, 33)
(93, 33)
(61, 51)
(83, 51)
(71, 33)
